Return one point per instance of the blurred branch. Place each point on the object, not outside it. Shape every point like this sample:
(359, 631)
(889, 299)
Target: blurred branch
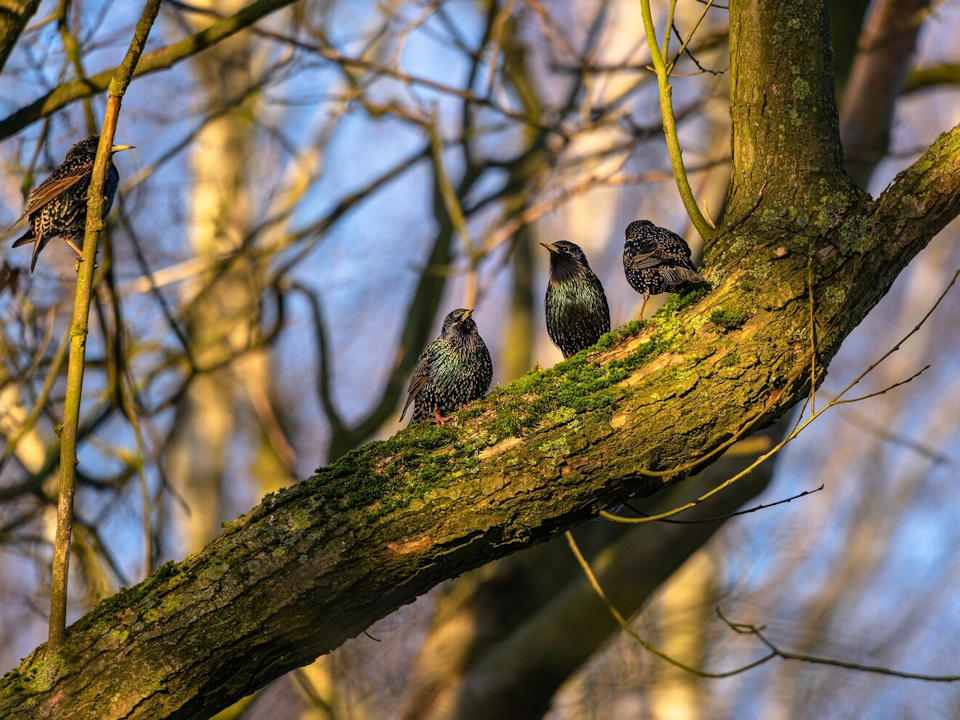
(931, 76)
(876, 80)
(152, 62)
(627, 628)
(53, 373)
(13, 19)
(72, 50)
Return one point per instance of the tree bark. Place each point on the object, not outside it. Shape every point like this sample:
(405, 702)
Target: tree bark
(782, 102)
(318, 562)
(475, 666)
(479, 617)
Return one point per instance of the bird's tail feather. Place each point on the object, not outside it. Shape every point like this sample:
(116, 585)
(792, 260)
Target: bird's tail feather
(24, 239)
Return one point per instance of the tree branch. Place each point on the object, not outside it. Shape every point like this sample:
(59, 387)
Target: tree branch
(79, 325)
(663, 71)
(151, 62)
(14, 15)
(782, 102)
(318, 562)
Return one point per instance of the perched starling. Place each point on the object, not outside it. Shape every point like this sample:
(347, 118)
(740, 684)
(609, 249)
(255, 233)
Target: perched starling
(58, 207)
(656, 261)
(576, 306)
(454, 370)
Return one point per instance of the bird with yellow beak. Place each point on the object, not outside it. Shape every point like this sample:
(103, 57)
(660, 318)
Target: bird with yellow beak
(58, 206)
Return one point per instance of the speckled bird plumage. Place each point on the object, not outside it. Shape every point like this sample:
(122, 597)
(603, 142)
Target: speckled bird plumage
(58, 206)
(656, 260)
(453, 371)
(575, 306)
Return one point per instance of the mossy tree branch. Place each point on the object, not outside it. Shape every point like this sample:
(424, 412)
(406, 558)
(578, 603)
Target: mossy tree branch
(318, 562)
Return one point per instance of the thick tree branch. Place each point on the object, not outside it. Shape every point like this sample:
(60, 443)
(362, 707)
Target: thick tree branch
(151, 62)
(471, 666)
(318, 562)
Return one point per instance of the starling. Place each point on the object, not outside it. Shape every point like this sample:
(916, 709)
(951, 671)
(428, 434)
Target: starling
(58, 207)
(656, 260)
(575, 306)
(454, 370)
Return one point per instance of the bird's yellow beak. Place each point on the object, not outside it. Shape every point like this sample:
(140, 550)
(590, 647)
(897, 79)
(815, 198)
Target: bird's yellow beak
(468, 313)
(551, 248)
(121, 148)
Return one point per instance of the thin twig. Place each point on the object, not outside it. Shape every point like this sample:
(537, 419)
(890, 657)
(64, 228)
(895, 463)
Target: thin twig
(813, 341)
(686, 42)
(591, 578)
(718, 518)
(670, 124)
(747, 629)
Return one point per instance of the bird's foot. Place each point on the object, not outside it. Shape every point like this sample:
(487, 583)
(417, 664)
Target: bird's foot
(440, 418)
(80, 261)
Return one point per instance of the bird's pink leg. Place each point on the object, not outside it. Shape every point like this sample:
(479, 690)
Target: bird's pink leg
(646, 296)
(77, 250)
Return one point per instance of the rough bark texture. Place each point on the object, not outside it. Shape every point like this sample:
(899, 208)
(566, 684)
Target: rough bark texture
(489, 658)
(782, 101)
(318, 562)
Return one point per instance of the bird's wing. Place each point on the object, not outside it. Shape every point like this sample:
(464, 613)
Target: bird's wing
(668, 247)
(419, 380)
(679, 275)
(62, 179)
(648, 255)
